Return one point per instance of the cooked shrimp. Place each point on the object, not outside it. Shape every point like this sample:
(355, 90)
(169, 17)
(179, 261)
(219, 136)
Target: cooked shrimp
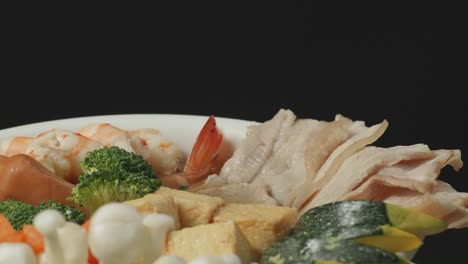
(110, 135)
(202, 159)
(26, 145)
(163, 155)
(60, 151)
(70, 149)
(14, 145)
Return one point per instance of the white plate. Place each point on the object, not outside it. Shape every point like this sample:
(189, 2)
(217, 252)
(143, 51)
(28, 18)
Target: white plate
(182, 129)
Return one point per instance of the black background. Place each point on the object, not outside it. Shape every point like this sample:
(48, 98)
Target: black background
(249, 67)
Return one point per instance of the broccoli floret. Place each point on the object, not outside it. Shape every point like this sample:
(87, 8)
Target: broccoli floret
(115, 159)
(112, 174)
(19, 213)
(71, 213)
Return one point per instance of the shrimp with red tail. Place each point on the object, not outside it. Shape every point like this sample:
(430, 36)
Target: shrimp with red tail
(207, 157)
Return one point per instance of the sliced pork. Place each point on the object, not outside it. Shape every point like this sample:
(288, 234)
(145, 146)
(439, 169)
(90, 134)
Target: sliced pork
(305, 163)
(359, 136)
(362, 165)
(412, 184)
(417, 175)
(281, 155)
(256, 148)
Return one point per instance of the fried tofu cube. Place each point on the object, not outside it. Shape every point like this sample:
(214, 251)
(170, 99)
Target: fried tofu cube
(214, 239)
(261, 224)
(193, 209)
(153, 203)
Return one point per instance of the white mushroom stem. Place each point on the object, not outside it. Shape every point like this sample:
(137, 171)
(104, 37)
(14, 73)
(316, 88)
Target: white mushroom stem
(117, 234)
(231, 259)
(158, 226)
(74, 242)
(224, 259)
(207, 260)
(169, 260)
(18, 253)
(47, 222)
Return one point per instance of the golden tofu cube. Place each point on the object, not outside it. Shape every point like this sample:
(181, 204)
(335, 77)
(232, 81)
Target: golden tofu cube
(194, 209)
(261, 224)
(153, 203)
(214, 239)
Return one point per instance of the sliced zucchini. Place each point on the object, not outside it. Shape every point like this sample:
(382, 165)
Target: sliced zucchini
(319, 220)
(386, 237)
(391, 239)
(302, 250)
(414, 222)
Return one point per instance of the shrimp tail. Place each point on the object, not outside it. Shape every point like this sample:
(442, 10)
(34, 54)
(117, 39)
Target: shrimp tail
(204, 152)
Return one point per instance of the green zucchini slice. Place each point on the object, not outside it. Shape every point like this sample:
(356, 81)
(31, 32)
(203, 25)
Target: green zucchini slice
(320, 220)
(302, 250)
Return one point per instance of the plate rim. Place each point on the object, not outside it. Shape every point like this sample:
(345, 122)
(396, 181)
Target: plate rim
(221, 119)
(181, 129)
